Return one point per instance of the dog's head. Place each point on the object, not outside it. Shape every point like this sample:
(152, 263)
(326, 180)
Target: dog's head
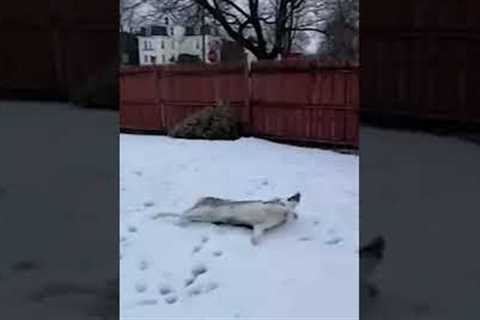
(292, 202)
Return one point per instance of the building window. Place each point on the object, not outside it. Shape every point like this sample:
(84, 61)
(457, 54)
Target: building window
(171, 31)
(166, 20)
(153, 59)
(145, 45)
(163, 45)
(145, 59)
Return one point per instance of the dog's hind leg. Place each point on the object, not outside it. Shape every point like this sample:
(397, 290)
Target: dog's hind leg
(259, 230)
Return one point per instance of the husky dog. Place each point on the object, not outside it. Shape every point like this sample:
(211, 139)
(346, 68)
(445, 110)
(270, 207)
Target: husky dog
(256, 214)
(371, 255)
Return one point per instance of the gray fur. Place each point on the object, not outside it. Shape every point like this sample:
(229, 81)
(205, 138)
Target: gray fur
(256, 214)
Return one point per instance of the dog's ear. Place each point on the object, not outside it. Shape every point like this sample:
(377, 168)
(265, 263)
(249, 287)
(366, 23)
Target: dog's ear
(296, 197)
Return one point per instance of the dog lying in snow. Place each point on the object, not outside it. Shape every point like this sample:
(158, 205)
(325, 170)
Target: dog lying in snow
(371, 255)
(258, 215)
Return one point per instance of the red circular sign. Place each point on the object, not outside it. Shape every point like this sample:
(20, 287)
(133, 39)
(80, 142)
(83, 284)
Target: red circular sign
(212, 56)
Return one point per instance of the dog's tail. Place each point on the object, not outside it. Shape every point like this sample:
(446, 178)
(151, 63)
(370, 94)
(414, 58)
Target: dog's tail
(166, 214)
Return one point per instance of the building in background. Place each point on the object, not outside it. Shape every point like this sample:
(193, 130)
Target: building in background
(163, 43)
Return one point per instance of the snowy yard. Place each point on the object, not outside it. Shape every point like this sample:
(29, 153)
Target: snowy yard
(306, 269)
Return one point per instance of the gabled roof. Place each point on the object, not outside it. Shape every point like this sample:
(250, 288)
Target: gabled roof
(154, 30)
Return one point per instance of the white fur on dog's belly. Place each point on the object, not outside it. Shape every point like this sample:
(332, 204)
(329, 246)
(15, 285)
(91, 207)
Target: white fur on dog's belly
(249, 214)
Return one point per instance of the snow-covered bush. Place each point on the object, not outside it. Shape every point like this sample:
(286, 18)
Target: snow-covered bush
(213, 123)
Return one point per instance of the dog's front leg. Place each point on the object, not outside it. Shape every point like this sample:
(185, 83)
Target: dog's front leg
(257, 233)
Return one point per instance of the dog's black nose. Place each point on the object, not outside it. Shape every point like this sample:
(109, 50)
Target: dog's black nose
(296, 197)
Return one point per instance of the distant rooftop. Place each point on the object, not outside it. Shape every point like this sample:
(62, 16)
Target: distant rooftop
(154, 30)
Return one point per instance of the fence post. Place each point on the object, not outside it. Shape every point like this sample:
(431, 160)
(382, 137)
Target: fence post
(158, 100)
(313, 97)
(314, 83)
(248, 97)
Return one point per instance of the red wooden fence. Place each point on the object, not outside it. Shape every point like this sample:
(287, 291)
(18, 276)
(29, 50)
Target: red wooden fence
(300, 101)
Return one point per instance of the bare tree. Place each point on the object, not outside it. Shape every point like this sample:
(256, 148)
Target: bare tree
(129, 13)
(342, 29)
(267, 28)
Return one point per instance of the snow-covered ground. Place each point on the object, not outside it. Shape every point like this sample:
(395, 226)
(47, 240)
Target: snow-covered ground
(304, 270)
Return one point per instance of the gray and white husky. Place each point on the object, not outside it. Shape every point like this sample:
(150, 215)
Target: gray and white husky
(256, 214)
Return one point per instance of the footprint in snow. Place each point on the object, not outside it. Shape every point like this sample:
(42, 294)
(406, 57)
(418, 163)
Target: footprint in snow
(265, 182)
(334, 240)
(202, 288)
(199, 247)
(137, 173)
(132, 229)
(140, 287)
(164, 289)
(307, 238)
(198, 270)
(189, 282)
(171, 299)
(196, 249)
(148, 204)
(217, 253)
(143, 265)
